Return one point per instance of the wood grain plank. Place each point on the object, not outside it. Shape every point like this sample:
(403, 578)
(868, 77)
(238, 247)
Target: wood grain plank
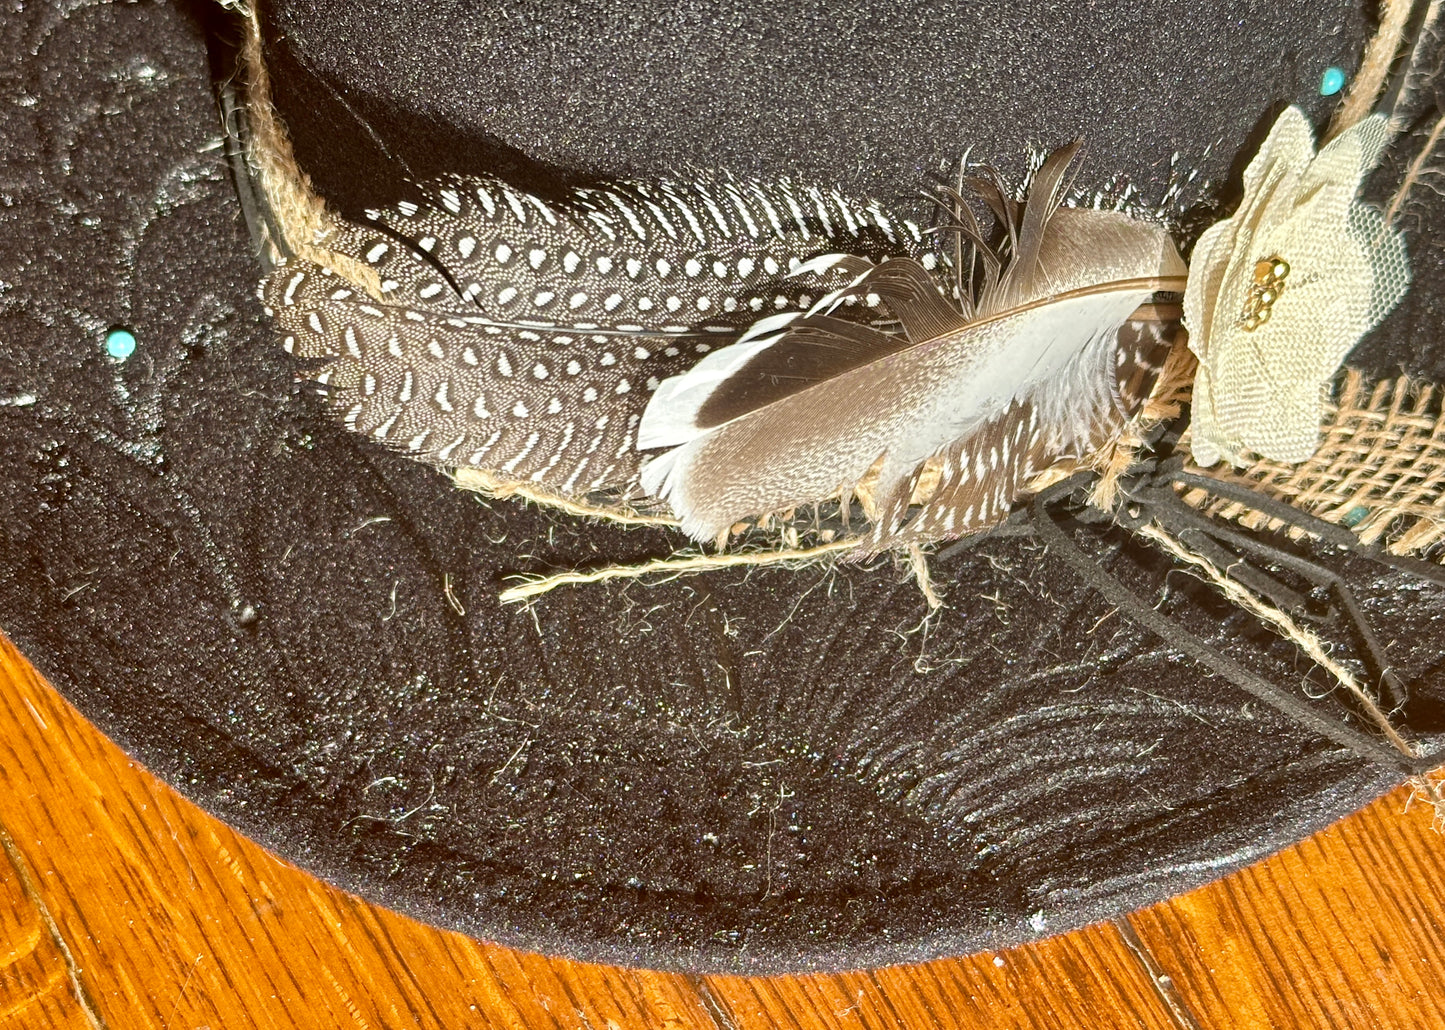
(1346, 930)
(177, 921)
(1086, 979)
(37, 979)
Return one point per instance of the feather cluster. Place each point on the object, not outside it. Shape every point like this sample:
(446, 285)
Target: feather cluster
(1045, 354)
(778, 345)
(524, 337)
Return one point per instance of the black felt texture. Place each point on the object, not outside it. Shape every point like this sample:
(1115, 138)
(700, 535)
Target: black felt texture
(763, 772)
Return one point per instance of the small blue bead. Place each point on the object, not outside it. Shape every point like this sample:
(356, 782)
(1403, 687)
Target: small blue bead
(120, 343)
(1355, 516)
(1332, 81)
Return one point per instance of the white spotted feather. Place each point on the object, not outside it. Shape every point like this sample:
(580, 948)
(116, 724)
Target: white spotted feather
(523, 336)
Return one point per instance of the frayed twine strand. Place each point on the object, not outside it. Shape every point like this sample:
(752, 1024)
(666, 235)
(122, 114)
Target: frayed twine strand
(488, 485)
(1380, 54)
(683, 563)
(918, 565)
(671, 567)
(1415, 174)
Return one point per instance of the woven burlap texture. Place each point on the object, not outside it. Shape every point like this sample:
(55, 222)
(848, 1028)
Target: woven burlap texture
(1380, 468)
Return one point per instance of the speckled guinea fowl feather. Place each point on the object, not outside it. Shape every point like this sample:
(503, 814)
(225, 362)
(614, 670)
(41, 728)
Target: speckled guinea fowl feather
(1028, 366)
(524, 336)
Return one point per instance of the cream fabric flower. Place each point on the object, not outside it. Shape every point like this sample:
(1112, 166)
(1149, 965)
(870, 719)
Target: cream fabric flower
(1279, 293)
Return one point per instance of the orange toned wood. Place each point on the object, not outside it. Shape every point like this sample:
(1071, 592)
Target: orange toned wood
(1085, 979)
(36, 987)
(123, 906)
(1363, 944)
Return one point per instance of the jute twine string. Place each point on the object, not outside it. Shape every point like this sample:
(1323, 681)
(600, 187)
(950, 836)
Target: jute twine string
(302, 216)
(1380, 54)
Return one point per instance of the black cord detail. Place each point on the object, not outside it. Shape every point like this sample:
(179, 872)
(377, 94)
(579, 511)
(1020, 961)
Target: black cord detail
(1328, 532)
(1047, 524)
(260, 219)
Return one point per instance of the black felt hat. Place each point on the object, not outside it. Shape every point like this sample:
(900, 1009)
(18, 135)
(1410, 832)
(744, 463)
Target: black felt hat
(760, 771)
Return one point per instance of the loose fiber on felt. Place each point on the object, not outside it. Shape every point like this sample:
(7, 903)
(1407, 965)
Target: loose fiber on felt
(753, 772)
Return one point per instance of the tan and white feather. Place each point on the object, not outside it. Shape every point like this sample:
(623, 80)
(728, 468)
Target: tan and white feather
(989, 388)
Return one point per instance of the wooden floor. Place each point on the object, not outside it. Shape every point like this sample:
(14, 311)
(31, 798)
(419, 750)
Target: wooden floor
(123, 906)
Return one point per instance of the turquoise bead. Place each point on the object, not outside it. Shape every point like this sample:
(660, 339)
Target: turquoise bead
(1332, 81)
(120, 343)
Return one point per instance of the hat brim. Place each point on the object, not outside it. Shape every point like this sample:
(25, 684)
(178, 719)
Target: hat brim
(758, 772)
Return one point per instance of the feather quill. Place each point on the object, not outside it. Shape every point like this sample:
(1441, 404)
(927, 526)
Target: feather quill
(1041, 360)
(523, 337)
